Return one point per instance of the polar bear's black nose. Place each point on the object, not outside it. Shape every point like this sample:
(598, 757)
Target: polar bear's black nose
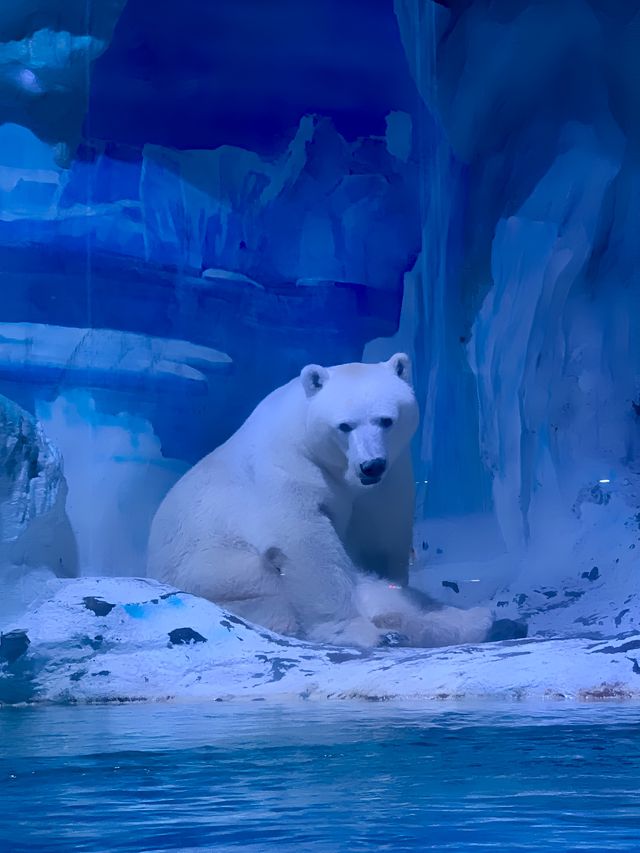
(374, 468)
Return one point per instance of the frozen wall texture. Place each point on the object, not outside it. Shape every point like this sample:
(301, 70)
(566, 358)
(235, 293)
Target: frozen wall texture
(195, 203)
(34, 528)
(534, 338)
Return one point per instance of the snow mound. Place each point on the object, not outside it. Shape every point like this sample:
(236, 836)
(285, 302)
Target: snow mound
(128, 639)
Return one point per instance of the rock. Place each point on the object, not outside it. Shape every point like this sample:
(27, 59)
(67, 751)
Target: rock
(76, 655)
(34, 528)
(184, 636)
(13, 645)
(97, 605)
(507, 629)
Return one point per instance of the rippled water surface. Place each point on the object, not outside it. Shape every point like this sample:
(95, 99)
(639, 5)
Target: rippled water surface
(320, 778)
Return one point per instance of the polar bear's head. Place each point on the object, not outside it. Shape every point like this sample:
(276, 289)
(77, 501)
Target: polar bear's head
(360, 417)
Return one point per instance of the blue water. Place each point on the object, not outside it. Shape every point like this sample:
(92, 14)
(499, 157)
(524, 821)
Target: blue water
(313, 777)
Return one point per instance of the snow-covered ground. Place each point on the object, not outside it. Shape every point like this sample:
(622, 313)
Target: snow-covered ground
(126, 639)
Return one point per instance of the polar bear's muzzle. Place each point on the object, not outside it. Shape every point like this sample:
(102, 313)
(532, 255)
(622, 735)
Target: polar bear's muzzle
(371, 471)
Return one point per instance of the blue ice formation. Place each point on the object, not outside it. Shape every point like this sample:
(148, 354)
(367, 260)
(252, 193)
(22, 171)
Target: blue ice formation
(46, 54)
(221, 248)
(537, 333)
(34, 527)
(282, 183)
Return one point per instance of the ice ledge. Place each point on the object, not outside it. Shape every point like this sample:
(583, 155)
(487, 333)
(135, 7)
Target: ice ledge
(123, 639)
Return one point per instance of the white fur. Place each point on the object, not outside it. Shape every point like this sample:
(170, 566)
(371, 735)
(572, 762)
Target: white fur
(277, 526)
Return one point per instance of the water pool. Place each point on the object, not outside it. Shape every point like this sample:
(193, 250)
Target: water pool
(310, 777)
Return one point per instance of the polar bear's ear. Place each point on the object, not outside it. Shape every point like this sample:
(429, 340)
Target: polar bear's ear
(313, 378)
(400, 363)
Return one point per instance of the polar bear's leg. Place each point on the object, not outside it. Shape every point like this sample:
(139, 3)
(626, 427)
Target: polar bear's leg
(240, 579)
(380, 532)
(453, 626)
(394, 609)
(317, 575)
(270, 607)
(223, 568)
(359, 631)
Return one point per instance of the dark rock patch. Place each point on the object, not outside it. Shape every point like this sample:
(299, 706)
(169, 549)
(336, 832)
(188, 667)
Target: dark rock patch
(185, 636)
(631, 646)
(507, 629)
(162, 597)
(506, 655)
(451, 585)
(573, 594)
(618, 619)
(342, 657)
(279, 666)
(275, 639)
(235, 620)
(226, 623)
(13, 645)
(97, 605)
(585, 620)
(593, 575)
(77, 675)
(636, 668)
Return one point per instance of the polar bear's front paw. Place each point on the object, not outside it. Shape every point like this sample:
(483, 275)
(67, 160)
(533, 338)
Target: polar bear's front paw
(453, 626)
(388, 621)
(358, 631)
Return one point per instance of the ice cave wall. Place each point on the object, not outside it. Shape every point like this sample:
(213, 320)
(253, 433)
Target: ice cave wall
(537, 338)
(458, 179)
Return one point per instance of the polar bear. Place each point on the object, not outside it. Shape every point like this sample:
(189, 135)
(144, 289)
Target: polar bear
(302, 521)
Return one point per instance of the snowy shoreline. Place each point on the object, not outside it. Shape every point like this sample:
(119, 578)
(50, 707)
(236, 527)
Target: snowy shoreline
(97, 640)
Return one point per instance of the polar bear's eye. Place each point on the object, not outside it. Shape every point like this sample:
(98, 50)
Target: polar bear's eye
(344, 427)
(385, 423)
